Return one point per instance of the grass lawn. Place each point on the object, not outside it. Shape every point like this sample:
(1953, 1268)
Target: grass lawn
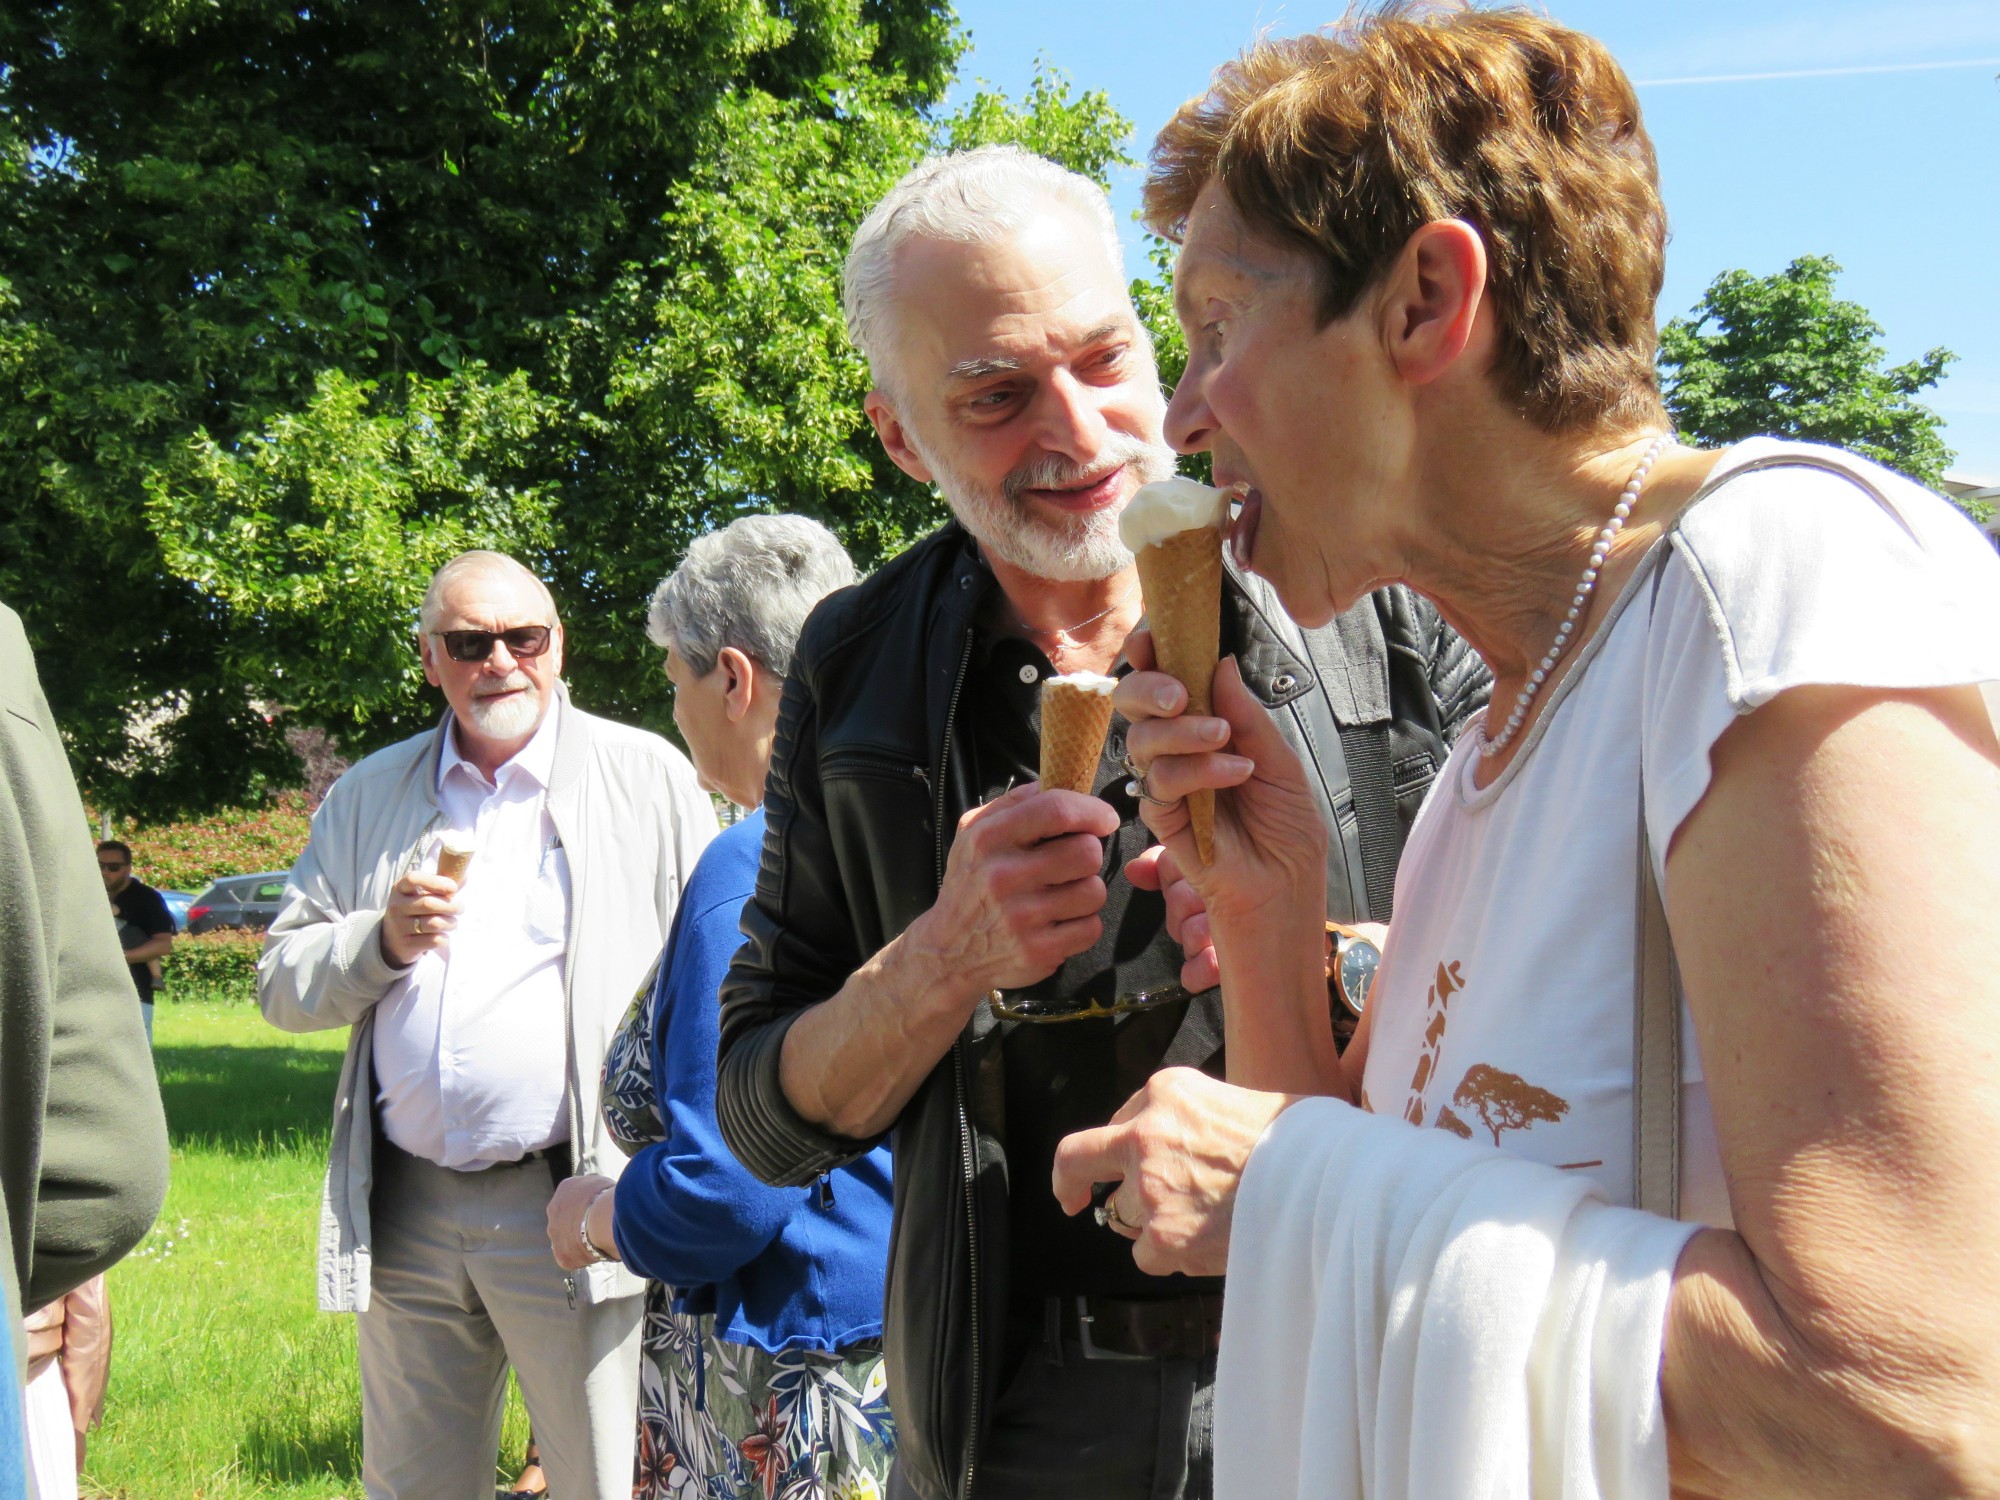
(226, 1382)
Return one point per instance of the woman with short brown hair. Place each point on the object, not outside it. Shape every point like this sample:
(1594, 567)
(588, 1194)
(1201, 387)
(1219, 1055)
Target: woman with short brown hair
(1740, 735)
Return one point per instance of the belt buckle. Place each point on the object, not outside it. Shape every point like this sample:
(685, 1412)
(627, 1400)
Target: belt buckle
(1091, 1349)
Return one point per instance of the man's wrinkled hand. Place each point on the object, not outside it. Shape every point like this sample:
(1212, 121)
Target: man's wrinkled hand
(1023, 888)
(421, 913)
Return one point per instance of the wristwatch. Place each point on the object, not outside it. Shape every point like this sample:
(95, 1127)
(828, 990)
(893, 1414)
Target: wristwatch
(1351, 960)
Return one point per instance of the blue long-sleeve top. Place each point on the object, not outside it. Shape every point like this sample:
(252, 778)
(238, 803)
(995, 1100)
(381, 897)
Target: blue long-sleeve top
(779, 1267)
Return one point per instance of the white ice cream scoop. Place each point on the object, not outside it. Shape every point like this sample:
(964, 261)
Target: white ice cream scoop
(1167, 507)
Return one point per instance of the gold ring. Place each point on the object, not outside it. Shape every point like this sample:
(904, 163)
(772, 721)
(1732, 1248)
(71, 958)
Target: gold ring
(416, 927)
(1108, 1217)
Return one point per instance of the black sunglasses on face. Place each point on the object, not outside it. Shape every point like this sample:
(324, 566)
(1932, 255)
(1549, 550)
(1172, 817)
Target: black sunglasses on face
(111, 864)
(524, 642)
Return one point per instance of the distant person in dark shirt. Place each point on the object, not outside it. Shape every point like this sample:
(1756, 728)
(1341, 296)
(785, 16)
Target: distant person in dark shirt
(145, 926)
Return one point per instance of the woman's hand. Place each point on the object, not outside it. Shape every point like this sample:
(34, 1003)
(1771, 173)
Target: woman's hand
(1187, 918)
(1263, 900)
(574, 1197)
(1178, 1149)
(1270, 848)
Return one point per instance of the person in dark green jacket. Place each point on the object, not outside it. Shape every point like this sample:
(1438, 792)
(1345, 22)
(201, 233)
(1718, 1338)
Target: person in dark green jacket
(83, 1141)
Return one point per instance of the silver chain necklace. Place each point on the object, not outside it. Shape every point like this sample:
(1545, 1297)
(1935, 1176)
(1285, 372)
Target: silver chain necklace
(1071, 630)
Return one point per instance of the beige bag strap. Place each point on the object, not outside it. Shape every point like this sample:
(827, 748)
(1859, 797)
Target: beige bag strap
(1656, 1050)
(1657, 999)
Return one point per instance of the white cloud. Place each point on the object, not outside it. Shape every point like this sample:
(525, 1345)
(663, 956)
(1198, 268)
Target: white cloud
(1831, 36)
(1841, 72)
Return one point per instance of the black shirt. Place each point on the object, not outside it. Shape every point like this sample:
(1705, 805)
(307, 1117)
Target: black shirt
(142, 915)
(1066, 1076)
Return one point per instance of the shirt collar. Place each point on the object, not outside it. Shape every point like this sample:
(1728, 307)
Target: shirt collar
(535, 760)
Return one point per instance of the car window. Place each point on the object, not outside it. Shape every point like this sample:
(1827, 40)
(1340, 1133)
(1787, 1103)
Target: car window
(271, 890)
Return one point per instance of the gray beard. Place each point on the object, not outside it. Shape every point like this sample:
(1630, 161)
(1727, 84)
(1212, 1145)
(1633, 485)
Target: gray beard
(1071, 549)
(511, 720)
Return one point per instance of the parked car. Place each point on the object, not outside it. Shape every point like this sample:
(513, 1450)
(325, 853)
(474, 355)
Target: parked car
(178, 903)
(249, 901)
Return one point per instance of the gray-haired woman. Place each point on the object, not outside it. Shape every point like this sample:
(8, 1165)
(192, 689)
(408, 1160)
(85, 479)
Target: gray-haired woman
(763, 1366)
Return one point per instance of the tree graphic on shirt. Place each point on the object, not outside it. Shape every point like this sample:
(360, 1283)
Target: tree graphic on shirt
(1503, 1101)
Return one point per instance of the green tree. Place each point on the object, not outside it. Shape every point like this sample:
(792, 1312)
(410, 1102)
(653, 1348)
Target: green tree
(1783, 356)
(297, 301)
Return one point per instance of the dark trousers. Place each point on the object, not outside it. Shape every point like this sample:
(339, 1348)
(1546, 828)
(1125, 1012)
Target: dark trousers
(1070, 1428)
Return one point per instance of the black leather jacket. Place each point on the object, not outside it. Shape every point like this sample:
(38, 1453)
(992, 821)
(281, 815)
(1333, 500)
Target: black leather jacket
(868, 779)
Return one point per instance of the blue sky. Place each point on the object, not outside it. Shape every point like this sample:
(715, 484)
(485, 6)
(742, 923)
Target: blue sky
(1895, 172)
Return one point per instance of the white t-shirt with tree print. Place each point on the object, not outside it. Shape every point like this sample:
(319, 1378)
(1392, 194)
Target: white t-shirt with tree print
(1504, 1005)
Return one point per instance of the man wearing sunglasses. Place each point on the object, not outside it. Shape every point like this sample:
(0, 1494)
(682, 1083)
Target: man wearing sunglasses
(482, 1006)
(145, 926)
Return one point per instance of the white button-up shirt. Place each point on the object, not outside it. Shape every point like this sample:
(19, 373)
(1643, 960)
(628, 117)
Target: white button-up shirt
(471, 1044)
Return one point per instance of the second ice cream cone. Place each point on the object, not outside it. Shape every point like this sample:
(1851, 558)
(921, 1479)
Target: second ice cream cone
(1182, 580)
(1076, 716)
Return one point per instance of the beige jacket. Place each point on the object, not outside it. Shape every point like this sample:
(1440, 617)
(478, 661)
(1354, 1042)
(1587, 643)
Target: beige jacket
(633, 822)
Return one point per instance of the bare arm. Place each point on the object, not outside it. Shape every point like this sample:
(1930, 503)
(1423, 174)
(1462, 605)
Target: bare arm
(1021, 893)
(1833, 903)
(153, 947)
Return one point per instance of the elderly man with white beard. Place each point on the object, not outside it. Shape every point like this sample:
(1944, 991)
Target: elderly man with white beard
(910, 872)
(482, 998)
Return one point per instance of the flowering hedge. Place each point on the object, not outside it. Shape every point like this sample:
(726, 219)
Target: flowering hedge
(213, 965)
(235, 841)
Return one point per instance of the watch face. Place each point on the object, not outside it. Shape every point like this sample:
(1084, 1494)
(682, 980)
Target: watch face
(1358, 960)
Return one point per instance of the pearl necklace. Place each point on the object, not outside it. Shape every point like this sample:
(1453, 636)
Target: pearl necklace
(1491, 745)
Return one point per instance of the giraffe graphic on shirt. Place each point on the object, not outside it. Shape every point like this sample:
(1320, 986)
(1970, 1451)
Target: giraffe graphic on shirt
(1450, 979)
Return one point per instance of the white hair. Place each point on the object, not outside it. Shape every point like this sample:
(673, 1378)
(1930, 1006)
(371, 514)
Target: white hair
(965, 197)
(751, 586)
(476, 563)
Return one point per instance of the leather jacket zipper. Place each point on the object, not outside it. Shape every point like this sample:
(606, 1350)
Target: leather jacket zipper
(967, 1157)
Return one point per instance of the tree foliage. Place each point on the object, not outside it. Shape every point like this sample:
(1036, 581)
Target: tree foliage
(297, 300)
(1784, 356)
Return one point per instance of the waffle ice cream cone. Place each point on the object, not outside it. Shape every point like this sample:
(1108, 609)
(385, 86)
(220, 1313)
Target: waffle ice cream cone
(1177, 538)
(455, 852)
(1076, 716)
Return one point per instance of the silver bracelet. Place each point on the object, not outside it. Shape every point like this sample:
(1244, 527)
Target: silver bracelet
(597, 1256)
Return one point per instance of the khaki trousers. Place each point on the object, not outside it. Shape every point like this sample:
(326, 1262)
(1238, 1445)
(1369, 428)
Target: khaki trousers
(463, 1284)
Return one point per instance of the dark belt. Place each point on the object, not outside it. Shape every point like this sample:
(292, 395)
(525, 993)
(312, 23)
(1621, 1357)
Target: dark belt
(556, 1158)
(1166, 1328)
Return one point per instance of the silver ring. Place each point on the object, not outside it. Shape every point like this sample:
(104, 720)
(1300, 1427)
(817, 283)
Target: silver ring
(1108, 1218)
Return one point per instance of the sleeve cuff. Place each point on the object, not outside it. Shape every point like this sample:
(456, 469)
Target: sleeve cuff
(766, 1133)
(367, 972)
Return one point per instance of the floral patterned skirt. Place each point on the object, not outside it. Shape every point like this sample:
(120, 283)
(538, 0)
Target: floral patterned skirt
(721, 1421)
